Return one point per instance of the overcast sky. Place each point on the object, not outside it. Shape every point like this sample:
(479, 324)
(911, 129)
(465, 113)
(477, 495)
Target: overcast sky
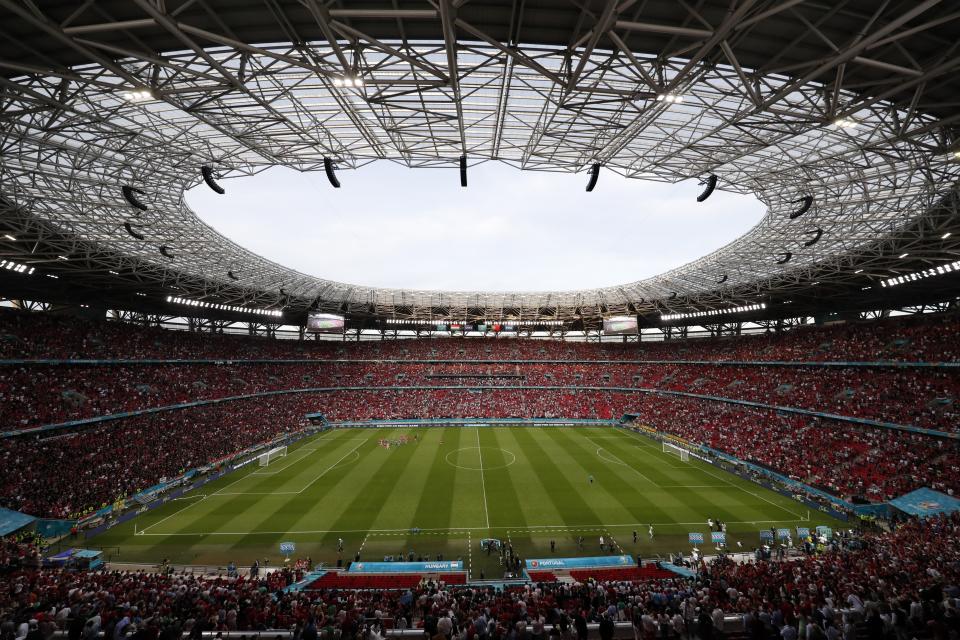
(509, 230)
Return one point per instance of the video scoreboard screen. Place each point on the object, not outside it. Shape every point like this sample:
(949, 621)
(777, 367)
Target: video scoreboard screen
(324, 323)
(620, 326)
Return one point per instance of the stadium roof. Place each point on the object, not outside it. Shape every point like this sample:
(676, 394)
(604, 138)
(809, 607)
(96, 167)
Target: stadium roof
(847, 110)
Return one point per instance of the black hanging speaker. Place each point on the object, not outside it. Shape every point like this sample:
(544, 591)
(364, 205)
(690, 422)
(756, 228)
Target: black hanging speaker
(129, 193)
(594, 176)
(331, 172)
(463, 171)
(805, 203)
(711, 184)
(209, 178)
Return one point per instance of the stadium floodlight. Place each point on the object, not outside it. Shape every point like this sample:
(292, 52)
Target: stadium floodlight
(805, 203)
(943, 237)
(12, 239)
(713, 312)
(710, 184)
(330, 170)
(138, 95)
(903, 255)
(17, 267)
(669, 97)
(210, 179)
(276, 313)
(129, 193)
(922, 275)
(845, 123)
(594, 176)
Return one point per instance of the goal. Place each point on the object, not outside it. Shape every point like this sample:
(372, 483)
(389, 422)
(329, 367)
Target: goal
(673, 449)
(270, 456)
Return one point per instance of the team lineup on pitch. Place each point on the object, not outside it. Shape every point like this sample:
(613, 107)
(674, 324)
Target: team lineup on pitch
(545, 491)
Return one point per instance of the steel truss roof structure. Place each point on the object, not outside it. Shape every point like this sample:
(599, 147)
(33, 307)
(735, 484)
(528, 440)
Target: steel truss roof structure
(851, 105)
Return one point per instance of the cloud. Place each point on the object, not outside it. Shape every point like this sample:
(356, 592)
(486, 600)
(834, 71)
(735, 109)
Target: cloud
(392, 226)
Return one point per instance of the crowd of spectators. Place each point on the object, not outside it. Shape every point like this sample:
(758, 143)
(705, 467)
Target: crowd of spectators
(843, 458)
(35, 395)
(897, 585)
(902, 339)
(69, 475)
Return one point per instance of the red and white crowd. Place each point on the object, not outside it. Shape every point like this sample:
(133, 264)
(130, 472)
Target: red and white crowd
(897, 585)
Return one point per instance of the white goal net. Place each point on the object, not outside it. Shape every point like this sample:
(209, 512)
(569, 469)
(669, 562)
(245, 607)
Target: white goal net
(676, 451)
(270, 456)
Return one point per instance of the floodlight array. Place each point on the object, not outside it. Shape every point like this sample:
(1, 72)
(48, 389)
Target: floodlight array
(922, 275)
(713, 312)
(276, 313)
(16, 267)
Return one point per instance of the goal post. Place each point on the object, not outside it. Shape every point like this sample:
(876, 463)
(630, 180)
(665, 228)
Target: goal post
(674, 450)
(270, 456)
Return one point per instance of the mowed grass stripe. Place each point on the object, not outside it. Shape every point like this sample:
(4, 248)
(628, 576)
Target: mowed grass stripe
(175, 517)
(747, 500)
(413, 482)
(641, 499)
(369, 484)
(510, 477)
(576, 509)
(377, 495)
(467, 507)
(234, 509)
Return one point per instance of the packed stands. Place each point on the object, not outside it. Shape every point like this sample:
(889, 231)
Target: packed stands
(900, 584)
(904, 339)
(36, 395)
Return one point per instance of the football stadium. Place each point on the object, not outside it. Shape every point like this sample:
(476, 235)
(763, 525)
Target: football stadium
(479, 319)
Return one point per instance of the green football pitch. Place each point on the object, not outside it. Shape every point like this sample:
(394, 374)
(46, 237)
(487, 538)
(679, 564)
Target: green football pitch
(458, 485)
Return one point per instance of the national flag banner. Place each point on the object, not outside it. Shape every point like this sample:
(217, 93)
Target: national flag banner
(766, 534)
(783, 533)
(696, 538)
(718, 537)
(803, 532)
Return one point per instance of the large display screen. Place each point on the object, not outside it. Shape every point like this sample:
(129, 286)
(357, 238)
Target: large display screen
(324, 323)
(620, 326)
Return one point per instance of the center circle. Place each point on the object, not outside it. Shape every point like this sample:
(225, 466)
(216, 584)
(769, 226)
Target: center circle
(473, 461)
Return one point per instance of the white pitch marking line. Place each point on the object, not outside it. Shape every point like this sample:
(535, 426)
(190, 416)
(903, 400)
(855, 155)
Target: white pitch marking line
(619, 461)
(324, 472)
(220, 492)
(545, 527)
(483, 484)
(724, 480)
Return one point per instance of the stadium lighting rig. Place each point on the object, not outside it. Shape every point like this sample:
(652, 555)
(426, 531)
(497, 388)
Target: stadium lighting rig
(276, 313)
(17, 267)
(138, 95)
(712, 312)
(943, 269)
